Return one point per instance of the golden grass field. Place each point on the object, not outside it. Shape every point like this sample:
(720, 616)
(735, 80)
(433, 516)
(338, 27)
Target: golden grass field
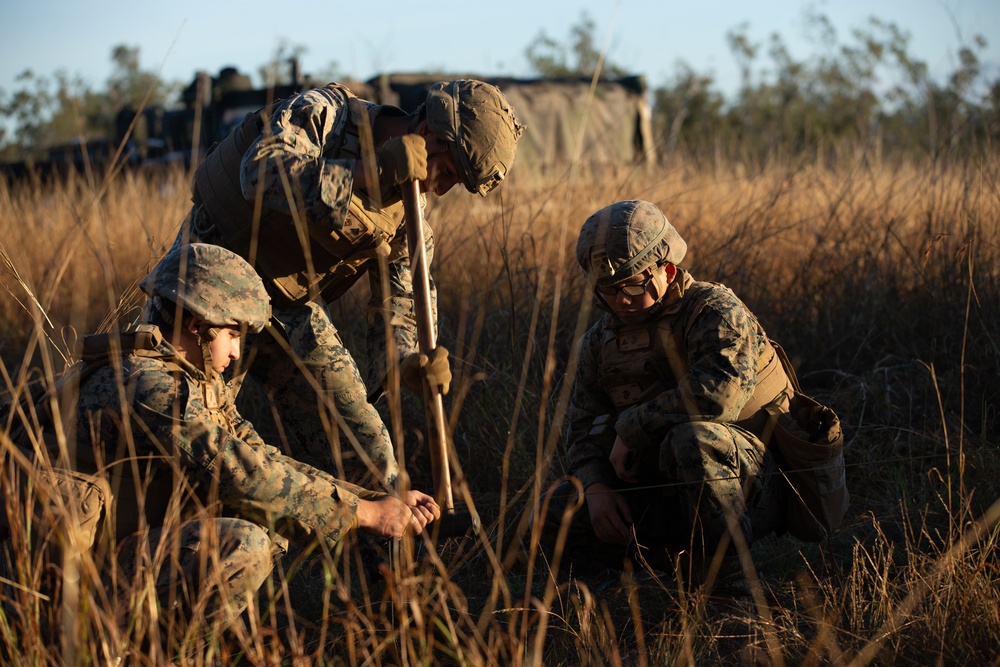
(881, 280)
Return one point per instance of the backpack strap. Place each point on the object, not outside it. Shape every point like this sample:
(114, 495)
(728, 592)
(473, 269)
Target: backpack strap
(787, 365)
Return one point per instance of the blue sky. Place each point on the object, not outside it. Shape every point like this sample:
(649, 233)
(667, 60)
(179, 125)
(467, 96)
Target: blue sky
(179, 37)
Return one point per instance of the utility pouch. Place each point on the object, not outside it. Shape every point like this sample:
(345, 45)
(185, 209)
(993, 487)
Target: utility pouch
(61, 511)
(809, 443)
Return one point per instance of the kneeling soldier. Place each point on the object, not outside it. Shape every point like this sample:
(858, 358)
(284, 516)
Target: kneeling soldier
(667, 410)
(198, 498)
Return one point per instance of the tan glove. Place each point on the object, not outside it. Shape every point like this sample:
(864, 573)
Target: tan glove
(402, 159)
(415, 367)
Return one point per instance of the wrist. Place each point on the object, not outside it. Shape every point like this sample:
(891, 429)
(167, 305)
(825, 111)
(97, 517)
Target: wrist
(596, 487)
(363, 514)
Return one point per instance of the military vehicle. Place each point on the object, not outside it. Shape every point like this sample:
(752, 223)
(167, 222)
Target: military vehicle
(568, 121)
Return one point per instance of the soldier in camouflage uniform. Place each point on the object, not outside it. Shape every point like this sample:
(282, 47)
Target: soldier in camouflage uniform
(156, 419)
(667, 407)
(309, 193)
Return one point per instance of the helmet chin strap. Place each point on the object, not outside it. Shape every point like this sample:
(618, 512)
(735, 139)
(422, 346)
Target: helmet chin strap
(661, 282)
(205, 342)
(210, 390)
(204, 339)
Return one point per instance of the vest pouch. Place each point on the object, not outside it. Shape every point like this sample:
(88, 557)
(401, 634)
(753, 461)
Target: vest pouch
(337, 255)
(809, 443)
(62, 511)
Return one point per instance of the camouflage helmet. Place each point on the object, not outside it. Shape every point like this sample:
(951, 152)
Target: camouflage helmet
(477, 122)
(213, 284)
(624, 239)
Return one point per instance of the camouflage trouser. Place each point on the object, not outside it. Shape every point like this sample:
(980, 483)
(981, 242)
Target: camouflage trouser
(701, 472)
(314, 390)
(205, 567)
(320, 401)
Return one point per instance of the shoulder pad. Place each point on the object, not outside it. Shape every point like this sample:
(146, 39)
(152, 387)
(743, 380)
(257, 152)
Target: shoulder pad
(142, 337)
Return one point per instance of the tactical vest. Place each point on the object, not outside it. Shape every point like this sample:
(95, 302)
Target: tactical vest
(299, 258)
(643, 360)
(113, 460)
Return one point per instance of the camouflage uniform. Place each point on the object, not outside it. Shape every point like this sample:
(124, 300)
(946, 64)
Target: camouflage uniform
(185, 466)
(684, 389)
(305, 153)
(196, 451)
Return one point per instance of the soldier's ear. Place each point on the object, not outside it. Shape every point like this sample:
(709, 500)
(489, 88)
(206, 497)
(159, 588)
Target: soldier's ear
(192, 324)
(662, 279)
(423, 128)
(671, 271)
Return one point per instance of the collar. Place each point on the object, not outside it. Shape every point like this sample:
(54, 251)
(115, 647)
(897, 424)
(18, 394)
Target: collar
(670, 303)
(213, 387)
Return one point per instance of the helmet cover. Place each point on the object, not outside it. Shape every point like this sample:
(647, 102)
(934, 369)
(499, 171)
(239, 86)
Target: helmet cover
(476, 121)
(213, 284)
(626, 238)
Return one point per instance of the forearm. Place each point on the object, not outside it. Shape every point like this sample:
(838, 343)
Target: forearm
(591, 416)
(301, 503)
(592, 438)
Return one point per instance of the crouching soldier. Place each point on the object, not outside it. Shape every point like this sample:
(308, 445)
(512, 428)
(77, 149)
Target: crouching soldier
(667, 411)
(199, 500)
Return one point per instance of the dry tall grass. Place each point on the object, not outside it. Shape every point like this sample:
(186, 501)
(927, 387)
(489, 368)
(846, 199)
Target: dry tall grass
(882, 282)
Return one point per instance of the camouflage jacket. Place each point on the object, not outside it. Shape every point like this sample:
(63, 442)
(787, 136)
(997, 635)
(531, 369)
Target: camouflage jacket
(300, 151)
(719, 344)
(183, 445)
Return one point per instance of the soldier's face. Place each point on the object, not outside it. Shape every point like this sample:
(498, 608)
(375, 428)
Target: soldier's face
(225, 348)
(634, 308)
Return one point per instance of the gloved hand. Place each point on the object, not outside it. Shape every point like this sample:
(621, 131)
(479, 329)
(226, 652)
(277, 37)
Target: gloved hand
(402, 159)
(415, 367)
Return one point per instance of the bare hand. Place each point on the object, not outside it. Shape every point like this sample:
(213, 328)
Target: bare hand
(386, 517)
(424, 508)
(625, 462)
(610, 515)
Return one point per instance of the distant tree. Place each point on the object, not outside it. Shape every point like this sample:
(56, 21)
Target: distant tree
(129, 86)
(688, 102)
(577, 58)
(991, 114)
(46, 111)
(79, 113)
(279, 69)
(743, 50)
(867, 91)
(26, 110)
(324, 75)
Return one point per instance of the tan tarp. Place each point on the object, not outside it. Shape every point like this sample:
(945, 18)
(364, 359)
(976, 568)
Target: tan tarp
(617, 132)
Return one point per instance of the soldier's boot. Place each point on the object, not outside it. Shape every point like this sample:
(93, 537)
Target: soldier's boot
(740, 638)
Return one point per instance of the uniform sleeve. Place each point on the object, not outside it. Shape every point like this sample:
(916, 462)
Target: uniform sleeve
(718, 374)
(591, 433)
(242, 428)
(397, 307)
(286, 162)
(253, 479)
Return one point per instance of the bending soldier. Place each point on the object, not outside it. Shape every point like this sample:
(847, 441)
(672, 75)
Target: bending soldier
(667, 409)
(309, 194)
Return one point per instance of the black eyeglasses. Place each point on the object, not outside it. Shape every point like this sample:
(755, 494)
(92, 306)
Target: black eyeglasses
(632, 290)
